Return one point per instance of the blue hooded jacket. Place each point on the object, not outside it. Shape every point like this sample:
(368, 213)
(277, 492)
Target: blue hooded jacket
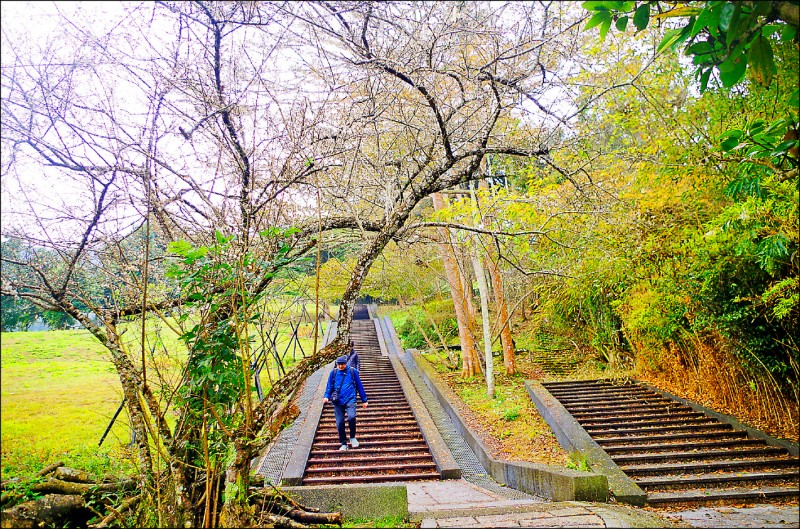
(350, 381)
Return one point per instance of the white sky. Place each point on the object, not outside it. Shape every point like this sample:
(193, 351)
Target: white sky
(36, 22)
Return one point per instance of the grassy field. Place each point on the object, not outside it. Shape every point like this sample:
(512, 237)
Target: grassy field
(58, 395)
(59, 392)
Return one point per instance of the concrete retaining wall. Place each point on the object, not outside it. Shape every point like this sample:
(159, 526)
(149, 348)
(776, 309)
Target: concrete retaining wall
(547, 481)
(445, 462)
(355, 501)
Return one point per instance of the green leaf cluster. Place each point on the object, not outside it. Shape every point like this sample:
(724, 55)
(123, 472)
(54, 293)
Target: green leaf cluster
(720, 36)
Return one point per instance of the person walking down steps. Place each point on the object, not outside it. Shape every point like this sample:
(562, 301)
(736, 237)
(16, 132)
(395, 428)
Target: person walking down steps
(341, 392)
(352, 357)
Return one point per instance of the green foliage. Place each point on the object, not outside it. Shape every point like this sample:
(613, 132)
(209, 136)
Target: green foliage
(58, 320)
(723, 36)
(220, 286)
(17, 314)
(726, 39)
(578, 464)
(442, 314)
(214, 374)
(512, 413)
(700, 246)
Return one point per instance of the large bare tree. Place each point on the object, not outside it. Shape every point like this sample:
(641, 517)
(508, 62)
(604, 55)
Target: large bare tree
(239, 133)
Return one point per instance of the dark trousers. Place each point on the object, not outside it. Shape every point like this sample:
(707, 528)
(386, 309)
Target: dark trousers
(339, 411)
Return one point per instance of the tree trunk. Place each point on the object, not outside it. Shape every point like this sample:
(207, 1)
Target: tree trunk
(509, 354)
(51, 510)
(236, 511)
(128, 377)
(487, 332)
(469, 356)
(464, 261)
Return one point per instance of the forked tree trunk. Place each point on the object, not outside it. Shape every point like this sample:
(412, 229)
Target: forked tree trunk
(470, 365)
(463, 261)
(509, 354)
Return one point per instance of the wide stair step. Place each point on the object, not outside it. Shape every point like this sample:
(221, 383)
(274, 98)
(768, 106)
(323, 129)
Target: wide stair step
(707, 466)
(726, 496)
(675, 454)
(372, 478)
(665, 482)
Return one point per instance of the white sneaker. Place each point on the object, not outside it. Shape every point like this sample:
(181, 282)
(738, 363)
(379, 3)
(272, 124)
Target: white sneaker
(343, 447)
(354, 442)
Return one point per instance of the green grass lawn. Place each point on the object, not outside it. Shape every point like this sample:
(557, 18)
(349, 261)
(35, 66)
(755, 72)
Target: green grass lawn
(59, 392)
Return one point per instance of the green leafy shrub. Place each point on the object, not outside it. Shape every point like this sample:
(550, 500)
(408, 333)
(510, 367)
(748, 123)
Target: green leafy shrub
(512, 413)
(411, 335)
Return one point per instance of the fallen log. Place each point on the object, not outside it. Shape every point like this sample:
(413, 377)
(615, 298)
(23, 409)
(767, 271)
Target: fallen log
(57, 486)
(279, 504)
(49, 468)
(8, 483)
(291, 501)
(118, 513)
(72, 475)
(314, 517)
(9, 497)
(278, 522)
(48, 511)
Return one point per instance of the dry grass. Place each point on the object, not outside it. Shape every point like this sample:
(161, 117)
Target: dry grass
(708, 374)
(509, 425)
(715, 378)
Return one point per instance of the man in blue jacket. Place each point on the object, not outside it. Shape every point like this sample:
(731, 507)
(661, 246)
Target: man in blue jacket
(344, 381)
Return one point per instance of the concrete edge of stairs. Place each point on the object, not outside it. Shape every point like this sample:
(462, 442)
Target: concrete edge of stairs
(545, 481)
(356, 501)
(578, 442)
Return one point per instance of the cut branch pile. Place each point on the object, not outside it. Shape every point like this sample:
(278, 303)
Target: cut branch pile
(279, 510)
(65, 499)
(70, 497)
